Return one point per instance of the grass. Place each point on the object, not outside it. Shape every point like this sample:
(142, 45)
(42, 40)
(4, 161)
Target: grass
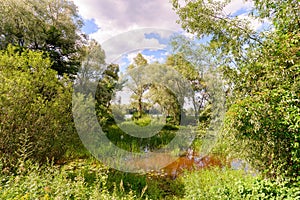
(135, 144)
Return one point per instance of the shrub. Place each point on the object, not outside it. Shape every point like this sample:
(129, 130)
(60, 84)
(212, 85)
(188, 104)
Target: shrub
(271, 189)
(236, 184)
(215, 184)
(145, 120)
(35, 107)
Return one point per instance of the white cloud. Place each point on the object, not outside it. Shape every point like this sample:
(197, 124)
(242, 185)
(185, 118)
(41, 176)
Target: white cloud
(132, 41)
(255, 24)
(116, 16)
(246, 6)
(236, 5)
(153, 58)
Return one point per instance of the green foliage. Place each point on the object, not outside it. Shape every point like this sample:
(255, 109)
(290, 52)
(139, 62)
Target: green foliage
(137, 85)
(236, 184)
(263, 117)
(84, 179)
(92, 67)
(139, 61)
(89, 179)
(145, 120)
(126, 182)
(268, 189)
(168, 101)
(35, 108)
(228, 33)
(105, 91)
(215, 184)
(50, 26)
(118, 113)
(283, 14)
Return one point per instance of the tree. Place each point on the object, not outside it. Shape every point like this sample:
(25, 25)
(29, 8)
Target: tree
(105, 92)
(284, 15)
(263, 116)
(227, 33)
(168, 101)
(92, 67)
(97, 80)
(137, 85)
(51, 26)
(190, 72)
(200, 67)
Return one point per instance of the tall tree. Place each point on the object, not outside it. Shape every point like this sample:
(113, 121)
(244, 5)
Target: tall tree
(92, 67)
(136, 84)
(263, 116)
(51, 26)
(168, 102)
(190, 72)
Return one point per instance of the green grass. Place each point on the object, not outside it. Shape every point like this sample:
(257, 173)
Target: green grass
(135, 144)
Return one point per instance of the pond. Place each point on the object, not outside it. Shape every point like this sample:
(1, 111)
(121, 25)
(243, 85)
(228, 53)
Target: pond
(191, 161)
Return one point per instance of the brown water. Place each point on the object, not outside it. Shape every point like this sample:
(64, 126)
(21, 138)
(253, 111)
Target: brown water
(190, 161)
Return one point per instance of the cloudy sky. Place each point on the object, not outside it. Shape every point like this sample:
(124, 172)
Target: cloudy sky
(117, 16)
(117, 24)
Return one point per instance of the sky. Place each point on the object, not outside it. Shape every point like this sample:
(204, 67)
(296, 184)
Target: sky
(105, 20)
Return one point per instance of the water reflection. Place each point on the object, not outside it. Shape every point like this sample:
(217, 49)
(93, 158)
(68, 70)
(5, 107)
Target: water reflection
(192, 161)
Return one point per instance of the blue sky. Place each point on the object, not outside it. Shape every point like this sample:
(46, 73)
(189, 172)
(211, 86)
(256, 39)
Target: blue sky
(90, 26)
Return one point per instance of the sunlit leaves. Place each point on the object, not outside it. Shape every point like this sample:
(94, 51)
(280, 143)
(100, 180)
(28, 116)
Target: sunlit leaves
(35, 106)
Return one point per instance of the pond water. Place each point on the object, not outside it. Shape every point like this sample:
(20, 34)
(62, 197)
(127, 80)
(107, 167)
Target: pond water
(192, 162)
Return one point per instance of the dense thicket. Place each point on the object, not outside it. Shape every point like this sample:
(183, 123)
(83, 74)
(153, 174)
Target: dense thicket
(35, 115)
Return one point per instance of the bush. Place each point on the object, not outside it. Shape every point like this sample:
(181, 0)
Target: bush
(35, 114)
(263, 121)
(216, 184)
(145, 120)
(270, 189)
(236, 184)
